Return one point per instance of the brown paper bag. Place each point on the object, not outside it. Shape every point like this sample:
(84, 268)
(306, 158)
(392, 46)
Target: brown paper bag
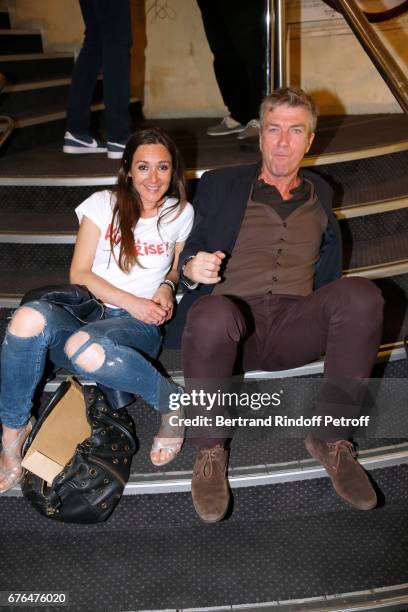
(55, 443)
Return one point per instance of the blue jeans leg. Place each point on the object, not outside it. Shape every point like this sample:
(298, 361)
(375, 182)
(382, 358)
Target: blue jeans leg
(128, 345)
(23, 361)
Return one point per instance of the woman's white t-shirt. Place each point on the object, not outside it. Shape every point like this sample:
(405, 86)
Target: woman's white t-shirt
(154, 246)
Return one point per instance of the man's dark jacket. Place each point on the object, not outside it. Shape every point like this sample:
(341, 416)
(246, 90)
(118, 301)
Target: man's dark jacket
(220, 203)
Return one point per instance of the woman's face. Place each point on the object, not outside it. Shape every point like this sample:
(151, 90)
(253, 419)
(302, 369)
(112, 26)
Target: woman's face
(151, 173)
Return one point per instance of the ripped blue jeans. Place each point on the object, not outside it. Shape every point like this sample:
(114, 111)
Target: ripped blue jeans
(128, 347)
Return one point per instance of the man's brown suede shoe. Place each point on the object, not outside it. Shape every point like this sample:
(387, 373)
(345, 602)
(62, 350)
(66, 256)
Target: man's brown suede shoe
(349, 479)
(209, 485)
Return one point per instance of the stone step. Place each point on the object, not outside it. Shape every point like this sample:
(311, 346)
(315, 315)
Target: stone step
(4, 20)
(272, 452)
(20, 41)
(34, 97)
(34, 130)
(22, 67)
(37, 221)
(362, 189)
(201, 152)
(391, 356)
(24, 266)
(284, 548)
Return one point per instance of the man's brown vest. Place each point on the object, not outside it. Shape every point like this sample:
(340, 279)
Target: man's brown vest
(275, 255)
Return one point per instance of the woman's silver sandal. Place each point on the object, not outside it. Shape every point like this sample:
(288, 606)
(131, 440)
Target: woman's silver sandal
(164, 440)
(13, 475)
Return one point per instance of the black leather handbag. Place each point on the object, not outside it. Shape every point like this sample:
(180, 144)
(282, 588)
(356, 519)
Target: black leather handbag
(91, 484)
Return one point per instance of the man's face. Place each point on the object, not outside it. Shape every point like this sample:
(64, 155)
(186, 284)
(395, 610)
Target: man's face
(284, 140)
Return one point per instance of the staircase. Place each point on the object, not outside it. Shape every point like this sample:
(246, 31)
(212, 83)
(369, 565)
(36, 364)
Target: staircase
(289, 544)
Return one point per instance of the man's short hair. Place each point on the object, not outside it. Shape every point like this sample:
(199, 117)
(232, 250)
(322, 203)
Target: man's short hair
(289, 96)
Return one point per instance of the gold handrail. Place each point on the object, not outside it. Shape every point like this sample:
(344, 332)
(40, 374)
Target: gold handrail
(6, 123)
(376, 51)
(382, 59)
(6, 127)
(377, 16)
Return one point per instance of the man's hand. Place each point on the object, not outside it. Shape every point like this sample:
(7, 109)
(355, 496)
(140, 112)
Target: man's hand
(205, 267)
(164, 297)
(146, 310)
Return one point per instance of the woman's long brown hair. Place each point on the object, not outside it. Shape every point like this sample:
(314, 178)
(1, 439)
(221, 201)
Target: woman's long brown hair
(128, 206)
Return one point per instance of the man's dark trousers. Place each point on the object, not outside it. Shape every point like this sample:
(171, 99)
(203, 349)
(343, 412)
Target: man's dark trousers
(342, 319)
(107, 43)
(235, 31)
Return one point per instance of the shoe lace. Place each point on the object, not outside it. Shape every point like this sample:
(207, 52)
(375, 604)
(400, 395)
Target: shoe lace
(205, 464)
(337, 448)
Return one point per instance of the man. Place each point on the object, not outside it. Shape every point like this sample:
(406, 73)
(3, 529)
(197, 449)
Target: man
(268, 233)
(235, 31)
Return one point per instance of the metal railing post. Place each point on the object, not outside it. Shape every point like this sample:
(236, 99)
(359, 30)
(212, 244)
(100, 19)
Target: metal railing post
(275, 22)
(280, 44)
(270, 44)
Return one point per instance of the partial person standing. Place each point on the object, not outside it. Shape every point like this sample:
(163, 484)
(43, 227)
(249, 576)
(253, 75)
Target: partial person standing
(235, 31)
(106, 47)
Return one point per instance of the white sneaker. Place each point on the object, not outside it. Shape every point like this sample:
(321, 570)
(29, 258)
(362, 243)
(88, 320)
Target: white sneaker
(116, 149)
(82, 144)
(227, 126)
(251, 130)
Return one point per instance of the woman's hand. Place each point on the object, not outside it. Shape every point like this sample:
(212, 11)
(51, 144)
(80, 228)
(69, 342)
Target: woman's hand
(145, 310)
(164, 297)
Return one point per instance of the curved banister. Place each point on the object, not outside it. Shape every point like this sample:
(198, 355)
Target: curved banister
(6, 127)
(6, 123)
(383, 60)
(376, 16)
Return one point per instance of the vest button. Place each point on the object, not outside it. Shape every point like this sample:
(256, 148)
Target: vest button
(274, 278)
(285, 224)
(279, 251)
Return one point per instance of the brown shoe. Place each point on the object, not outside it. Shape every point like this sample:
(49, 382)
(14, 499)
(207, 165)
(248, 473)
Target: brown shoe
(209, 485)
(349, 479)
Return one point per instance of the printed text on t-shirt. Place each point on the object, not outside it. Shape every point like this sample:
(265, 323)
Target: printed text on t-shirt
(141, 248)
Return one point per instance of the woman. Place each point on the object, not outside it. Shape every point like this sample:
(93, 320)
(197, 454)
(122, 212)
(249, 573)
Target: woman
(126, 254)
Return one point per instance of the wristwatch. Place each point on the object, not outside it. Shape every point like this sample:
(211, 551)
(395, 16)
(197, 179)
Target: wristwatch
(190, 284)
